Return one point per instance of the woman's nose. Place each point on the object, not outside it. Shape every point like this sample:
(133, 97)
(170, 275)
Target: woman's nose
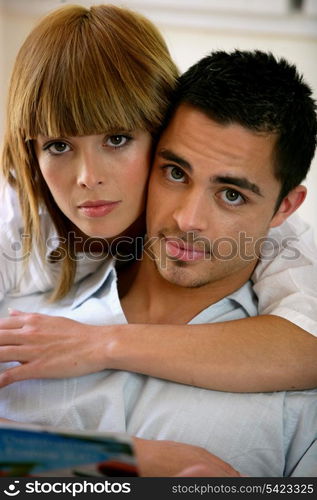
(91, 174)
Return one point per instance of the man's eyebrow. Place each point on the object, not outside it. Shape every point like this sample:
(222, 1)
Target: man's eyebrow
(241, 182)
(168, 155)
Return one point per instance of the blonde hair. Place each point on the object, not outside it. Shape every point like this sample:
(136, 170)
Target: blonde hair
(80, 72)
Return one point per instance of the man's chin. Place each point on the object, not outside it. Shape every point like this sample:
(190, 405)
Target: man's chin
(180, 275)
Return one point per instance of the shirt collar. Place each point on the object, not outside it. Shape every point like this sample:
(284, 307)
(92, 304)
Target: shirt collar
(89, 285)
(245, 298)
(106, 275)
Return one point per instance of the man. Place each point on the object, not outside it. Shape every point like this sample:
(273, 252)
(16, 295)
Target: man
(219, 182)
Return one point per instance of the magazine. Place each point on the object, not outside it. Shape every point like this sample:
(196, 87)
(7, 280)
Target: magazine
(29, 450)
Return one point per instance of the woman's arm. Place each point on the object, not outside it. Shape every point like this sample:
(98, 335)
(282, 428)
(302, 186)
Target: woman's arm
(258, 354)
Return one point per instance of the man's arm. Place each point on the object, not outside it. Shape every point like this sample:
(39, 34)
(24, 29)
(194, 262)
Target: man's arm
(258, 354)
(169, 458)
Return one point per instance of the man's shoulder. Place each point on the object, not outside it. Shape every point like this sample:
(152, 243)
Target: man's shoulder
(241, 303)
(294, 226)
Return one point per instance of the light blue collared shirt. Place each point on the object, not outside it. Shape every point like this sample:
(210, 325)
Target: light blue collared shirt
(263, 434)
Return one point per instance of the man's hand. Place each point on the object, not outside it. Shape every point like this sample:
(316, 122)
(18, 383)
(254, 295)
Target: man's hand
(50, 347)
(169, 458)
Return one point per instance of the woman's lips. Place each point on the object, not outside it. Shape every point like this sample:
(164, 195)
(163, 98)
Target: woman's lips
(97, 208)
(182, 251)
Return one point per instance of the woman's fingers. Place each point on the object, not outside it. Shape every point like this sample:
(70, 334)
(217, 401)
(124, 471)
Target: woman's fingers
(12, 338)
(15, 353)
(14, 312)
(15, 374)
(12, 322)
(51, 347)
(27, 329)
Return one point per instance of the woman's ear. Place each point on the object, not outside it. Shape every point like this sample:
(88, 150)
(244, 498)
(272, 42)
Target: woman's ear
(289, 204)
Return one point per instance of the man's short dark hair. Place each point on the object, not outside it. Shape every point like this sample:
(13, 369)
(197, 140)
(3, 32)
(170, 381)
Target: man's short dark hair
(261, 93)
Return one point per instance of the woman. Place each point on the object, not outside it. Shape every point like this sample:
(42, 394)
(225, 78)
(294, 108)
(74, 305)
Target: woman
(88, 93)
(105, 73)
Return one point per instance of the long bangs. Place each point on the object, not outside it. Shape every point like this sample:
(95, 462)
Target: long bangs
(90, 78)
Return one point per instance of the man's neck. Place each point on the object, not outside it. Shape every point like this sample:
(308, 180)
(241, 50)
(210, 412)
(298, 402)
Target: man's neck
(146, 297)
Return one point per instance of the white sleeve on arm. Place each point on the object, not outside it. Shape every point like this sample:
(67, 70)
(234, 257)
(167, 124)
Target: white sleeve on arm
(16, 279)
(10, 230)
(285, 280)
(38, 276)
(7, 270)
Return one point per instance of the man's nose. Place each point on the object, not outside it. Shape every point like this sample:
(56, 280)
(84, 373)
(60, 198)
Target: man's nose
(191, 213)
(91, 172)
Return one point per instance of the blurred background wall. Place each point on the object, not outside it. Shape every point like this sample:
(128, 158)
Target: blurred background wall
(192, 28)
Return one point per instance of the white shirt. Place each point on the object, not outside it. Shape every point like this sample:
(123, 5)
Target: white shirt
(16, 279)
(271, 434)
(285, 285)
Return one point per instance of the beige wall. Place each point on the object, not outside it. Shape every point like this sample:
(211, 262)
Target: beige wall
(13, 30)
(187, 45)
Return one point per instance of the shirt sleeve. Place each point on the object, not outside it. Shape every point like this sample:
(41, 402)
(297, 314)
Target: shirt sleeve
(11, 255)
(285, 279)
(20, 274)
(7, 268)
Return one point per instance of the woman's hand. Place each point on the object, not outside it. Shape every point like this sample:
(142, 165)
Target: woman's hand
(170, 458)
(50, 347)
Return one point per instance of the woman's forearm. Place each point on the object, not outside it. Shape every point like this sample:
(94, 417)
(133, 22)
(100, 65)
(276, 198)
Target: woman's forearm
(258, 354)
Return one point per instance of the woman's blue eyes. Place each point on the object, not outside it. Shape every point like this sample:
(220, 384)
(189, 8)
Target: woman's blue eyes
(113, 141)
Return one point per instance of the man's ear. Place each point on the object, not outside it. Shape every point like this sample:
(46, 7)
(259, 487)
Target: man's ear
(289, 204)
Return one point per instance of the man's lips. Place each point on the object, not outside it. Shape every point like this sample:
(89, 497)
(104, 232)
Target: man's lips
(97, 208)
(178, 249)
